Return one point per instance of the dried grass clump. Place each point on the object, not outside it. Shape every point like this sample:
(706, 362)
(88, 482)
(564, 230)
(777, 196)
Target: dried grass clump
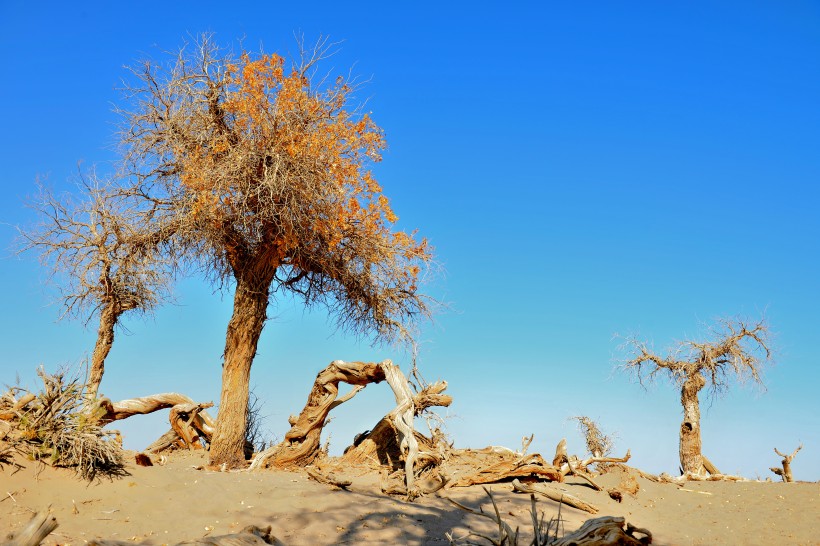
(598, 443)
(52, 427)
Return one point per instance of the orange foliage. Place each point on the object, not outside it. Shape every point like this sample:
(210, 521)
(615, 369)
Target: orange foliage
(279, 118)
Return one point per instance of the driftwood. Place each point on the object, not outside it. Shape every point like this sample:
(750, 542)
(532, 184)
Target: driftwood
(34, 532)
(189, 420)
(786, 471)
(15, 406)
(328, 479)
(42, 524)
(379, 447)
(510, 466)
(114, 411)
(301, 444)
(709, 466)
(605, 531)
(556, 496)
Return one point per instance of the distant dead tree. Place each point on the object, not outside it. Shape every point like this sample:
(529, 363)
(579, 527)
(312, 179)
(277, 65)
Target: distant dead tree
(262, 170)
(786, 471)
(102, 257)
(736, 352)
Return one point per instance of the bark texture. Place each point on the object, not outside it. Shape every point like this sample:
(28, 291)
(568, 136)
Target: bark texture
(691, 446)
(35, 531)
(244, 329)
(105, 339)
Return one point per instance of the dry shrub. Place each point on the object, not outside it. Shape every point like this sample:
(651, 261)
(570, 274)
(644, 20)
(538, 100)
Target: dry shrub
(598, 443)
(54, 428)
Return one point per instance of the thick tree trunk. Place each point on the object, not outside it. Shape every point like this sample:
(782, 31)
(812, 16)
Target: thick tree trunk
(105, 339)
(249, 315)
(691, 455)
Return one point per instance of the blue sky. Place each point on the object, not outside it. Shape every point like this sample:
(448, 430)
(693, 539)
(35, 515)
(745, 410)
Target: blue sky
(581, 169)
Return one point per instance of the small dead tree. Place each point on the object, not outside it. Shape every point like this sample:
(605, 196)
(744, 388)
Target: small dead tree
(737, 351)
(598, 443)
(786, 471)
(100, 254)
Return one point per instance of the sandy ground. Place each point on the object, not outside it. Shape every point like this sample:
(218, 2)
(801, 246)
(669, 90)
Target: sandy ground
(175, 502)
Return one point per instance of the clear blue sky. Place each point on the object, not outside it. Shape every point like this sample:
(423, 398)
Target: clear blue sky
(582, 170)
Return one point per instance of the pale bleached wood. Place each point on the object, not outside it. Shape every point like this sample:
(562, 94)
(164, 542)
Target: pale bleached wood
(37, 529)
(604, 531)
(556, 496)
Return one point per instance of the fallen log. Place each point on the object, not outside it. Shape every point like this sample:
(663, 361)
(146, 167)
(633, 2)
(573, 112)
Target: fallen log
(556, 496)
(605, 531)
(37, 529)
(531, 466)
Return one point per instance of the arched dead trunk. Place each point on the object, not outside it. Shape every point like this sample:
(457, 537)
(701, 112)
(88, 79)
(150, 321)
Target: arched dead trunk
(301, 444)
(189, 420)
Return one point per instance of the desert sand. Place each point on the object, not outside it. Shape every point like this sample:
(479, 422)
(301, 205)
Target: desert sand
(182, 500)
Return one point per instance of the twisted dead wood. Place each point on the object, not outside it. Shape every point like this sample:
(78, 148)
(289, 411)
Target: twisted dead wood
(556, 496)
(37, 529)
(786, 471)
(605, 531)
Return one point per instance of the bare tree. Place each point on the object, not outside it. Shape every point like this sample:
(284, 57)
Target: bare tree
(260, 170)
(737, 351)
(102, 257)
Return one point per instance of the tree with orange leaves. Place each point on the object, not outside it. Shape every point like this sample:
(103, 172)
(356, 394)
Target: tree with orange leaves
(260, 175)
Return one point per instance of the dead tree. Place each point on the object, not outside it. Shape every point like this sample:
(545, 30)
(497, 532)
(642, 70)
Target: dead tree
(302, 442)
(262, 171)
(301, 445)
(101, 255)
(737, 351)
(786, 471)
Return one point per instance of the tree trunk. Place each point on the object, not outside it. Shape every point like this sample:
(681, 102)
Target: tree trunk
(691, 456)
(105, 339)
(249, 315)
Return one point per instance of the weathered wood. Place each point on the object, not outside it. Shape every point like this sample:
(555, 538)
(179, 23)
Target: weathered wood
(249, 536)
(786, 471)
(20, 404)
(114, 411)
(605, 531)
(402, 418)
(528, 466)
(328, 479)
(37, 529)
(164, 442)
(188, 424)
(709, 466)
(556, 496)
(561, 456)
